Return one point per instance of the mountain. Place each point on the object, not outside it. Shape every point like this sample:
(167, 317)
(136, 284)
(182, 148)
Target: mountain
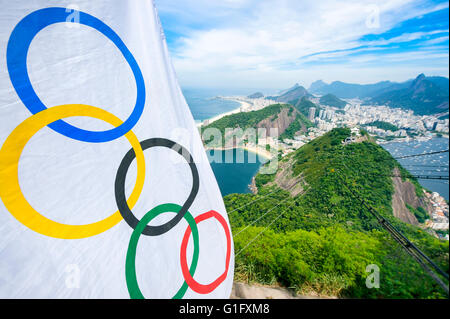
(313, 235)
(347, 90)
(285, 118)
(317, 86)
(423, 95)
(296, 85)
(332, 100)
(303, 105)
(440, 81)
(256, 95)
(293, 94)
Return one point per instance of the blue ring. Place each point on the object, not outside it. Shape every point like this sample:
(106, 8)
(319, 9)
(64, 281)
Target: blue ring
(16, 55)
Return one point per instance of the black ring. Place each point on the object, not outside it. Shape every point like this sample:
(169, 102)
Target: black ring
(119, 186)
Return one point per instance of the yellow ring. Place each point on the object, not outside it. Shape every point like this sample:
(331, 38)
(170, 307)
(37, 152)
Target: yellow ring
(12, 195)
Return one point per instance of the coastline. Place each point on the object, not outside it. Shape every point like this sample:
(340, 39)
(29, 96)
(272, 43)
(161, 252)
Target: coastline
(256, 150)
(244, 107)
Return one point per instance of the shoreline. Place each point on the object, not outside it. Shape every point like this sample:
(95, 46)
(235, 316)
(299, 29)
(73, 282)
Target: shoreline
(263, 153)
(242, 108)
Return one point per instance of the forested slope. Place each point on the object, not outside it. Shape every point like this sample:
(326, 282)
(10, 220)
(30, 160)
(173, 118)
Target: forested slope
(322, 240)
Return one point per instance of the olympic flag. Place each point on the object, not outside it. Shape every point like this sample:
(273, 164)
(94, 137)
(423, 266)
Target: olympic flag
(105, 187)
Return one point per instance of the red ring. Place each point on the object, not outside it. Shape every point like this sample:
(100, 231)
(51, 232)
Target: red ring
(192, 283)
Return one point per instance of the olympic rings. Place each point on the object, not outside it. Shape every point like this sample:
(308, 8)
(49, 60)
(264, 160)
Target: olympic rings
(130, 265)
(194, 285)
(12, 195)
(120, 186)
(11, 151)
(17, 51)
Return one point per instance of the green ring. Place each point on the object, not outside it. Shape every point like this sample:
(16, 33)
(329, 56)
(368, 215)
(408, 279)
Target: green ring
(130, 264)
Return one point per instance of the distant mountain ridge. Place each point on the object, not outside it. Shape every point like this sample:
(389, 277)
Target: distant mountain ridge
(294, 93)
(256, 95)
(332, 100)
(424, 95)
(296, 85)
(348, 90)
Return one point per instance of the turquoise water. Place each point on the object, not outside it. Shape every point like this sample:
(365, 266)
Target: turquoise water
(204, 106)
(234, 177)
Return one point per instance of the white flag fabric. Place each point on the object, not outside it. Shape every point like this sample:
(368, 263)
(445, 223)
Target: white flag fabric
(105, 187)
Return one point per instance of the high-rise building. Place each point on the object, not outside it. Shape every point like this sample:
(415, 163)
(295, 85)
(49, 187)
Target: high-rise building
(312, 114)
(435, 124)
(321, 114)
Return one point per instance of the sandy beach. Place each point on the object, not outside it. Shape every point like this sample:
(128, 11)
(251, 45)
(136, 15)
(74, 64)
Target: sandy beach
(257, 150)
(244, 107)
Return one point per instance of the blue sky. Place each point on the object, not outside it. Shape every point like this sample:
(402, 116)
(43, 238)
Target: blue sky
(272, 44)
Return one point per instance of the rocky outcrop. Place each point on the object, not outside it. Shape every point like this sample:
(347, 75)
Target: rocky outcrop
(405, 193)
(253, 188)
(294, 94)
(281, 122)
(285, 179)
(274, 126)
(255, 291)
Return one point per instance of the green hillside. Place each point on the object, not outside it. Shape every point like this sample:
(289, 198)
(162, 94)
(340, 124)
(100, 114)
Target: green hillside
(423, 96)
(300, 123)
(247, 120)
(383, 125)
(332, 100)
(303, 105)
(244, 120)
(323, 240)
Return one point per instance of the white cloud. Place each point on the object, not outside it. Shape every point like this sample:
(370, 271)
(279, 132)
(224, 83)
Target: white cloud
(249, 42)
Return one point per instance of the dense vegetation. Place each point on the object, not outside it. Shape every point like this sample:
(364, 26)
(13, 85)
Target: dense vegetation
(424, 96)
(301, 123)
(323, 240)
(383, 125)
(303, 105)
(420, 213)
(245, 120)
(332, 100)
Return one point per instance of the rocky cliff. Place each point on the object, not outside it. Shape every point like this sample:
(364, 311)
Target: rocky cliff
(280, 122)
(405, 194)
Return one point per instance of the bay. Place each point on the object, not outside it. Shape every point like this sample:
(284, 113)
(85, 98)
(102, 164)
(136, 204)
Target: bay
(204, 105)
(430, 165)
(237, 175)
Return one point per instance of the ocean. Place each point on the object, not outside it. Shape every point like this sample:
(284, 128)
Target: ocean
(204, 106)
(232, 177)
